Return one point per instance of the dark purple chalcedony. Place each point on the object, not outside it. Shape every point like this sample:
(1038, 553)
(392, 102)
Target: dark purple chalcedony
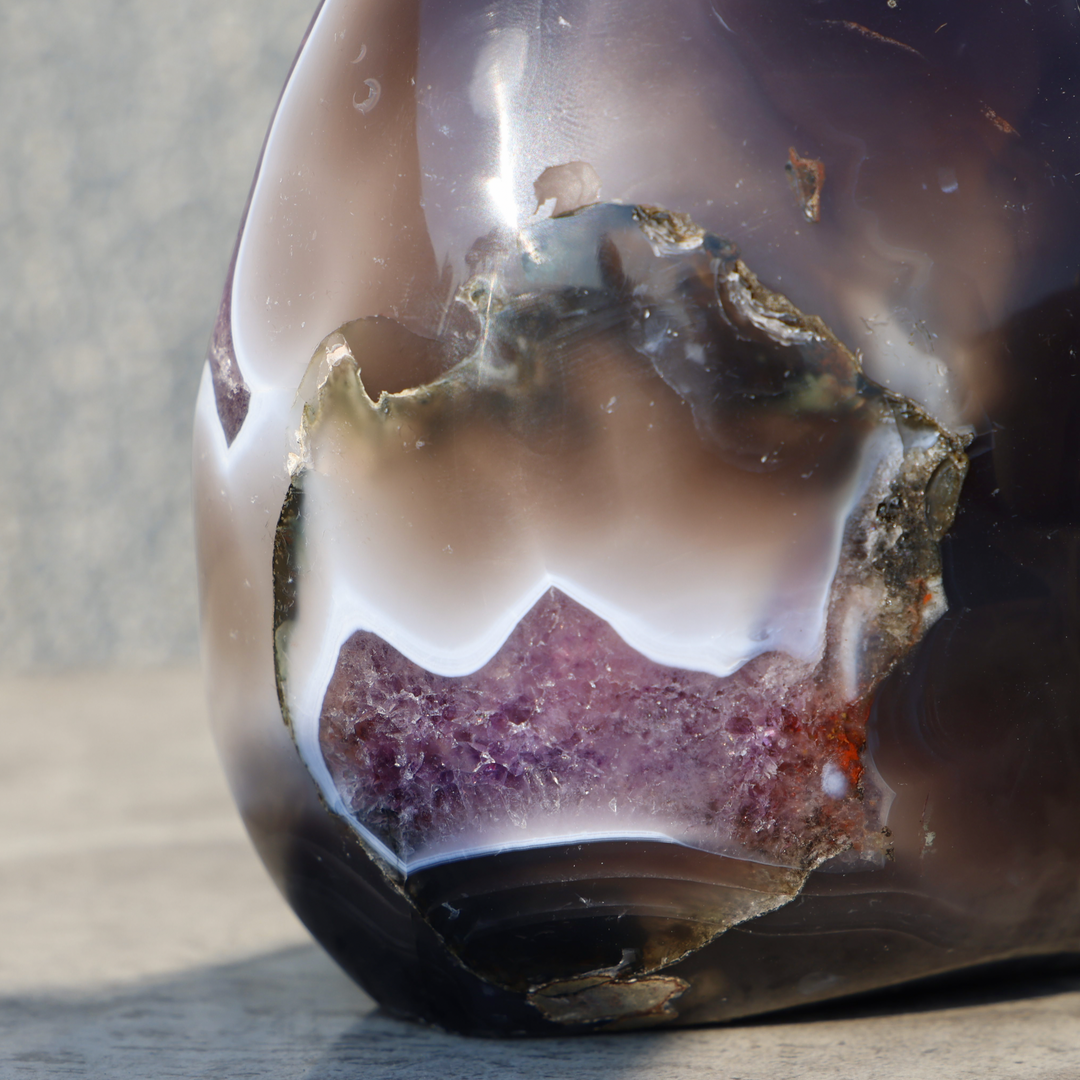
(640, 462)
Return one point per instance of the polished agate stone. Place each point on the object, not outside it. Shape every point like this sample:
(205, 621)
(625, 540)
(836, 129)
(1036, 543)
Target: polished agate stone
(637, 479)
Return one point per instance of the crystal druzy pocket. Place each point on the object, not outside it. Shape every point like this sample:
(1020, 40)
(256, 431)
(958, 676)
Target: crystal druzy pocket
(636, 576)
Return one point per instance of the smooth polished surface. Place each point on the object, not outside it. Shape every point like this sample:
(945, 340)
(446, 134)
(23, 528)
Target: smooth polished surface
(665, 413)
(142, 939)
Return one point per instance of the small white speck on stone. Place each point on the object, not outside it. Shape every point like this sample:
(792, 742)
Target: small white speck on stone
(833, 781)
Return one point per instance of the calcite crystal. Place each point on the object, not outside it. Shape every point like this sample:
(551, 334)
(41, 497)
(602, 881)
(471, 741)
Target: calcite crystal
(638, 555)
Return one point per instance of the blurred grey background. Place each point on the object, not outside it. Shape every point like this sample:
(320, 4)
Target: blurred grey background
(129, 134)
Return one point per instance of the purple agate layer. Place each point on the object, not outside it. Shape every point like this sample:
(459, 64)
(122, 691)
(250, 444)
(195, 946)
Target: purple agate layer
(636, 479)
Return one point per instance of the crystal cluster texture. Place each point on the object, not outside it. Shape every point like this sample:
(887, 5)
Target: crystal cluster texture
(638, 490)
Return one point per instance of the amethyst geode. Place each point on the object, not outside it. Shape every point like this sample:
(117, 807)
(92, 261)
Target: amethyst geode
(637, 481)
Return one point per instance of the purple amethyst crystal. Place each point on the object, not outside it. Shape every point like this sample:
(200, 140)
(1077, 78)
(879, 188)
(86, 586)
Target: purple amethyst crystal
(569, 721)
(637, 462)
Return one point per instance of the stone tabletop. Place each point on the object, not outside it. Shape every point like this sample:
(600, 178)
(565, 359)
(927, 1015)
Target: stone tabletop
(143, 939)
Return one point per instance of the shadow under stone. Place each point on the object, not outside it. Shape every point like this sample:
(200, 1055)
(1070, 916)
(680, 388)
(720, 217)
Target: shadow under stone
(292, 1014)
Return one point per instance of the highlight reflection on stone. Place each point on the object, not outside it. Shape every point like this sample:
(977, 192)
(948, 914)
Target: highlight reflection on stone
(632, 666)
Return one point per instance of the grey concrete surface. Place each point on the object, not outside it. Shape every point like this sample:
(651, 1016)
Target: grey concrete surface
(129, 133)
(142, 939)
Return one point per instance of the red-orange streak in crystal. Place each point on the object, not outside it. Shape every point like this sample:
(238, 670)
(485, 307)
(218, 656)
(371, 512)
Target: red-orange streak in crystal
(843, 736)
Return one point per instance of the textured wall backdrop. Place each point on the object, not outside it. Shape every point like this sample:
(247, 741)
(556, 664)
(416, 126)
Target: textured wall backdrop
(129, 133)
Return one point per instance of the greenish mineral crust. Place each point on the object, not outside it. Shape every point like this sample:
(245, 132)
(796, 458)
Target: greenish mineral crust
(634, 1003)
